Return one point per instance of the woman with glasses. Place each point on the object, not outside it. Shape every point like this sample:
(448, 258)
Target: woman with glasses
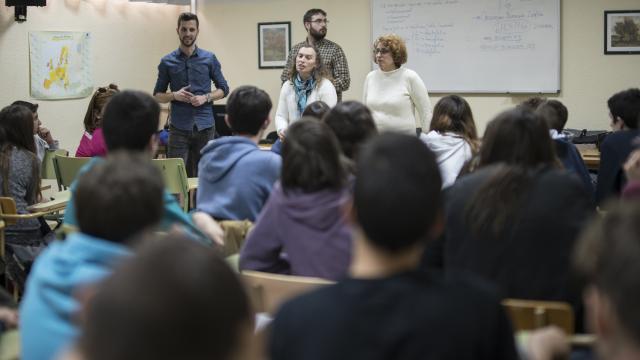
(396, 96)
(308, 82)
(92, 142)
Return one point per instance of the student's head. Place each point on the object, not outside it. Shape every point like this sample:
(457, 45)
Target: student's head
(248, 110)
(453, 114)
(389, 51)
(608, 257)
(17, 127)
(624, 109)
(99, 100)
(315, 22)
(517, 137)
(311, 158)
(119, 197)
(353, 124)
(188, 28)
(316, 109)
(34, 109)
(533, 102)
(554, 113)
(397, 198)
(308, 63)
(130, 121)
(175, 299)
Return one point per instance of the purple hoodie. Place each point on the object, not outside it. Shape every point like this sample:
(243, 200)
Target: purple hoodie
(300, 233)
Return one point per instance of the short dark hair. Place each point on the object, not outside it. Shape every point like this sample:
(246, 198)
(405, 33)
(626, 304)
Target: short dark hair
(130, 119)
(119, 197)
(311, 158)
(533, 102)
(517, 137)
(317, 109)
(353, 124)
(309, 14)
(188, 16)
(397, 197)
(626, 106)
(31, 106)
(607, 256)
(175, 299)
(554, 113)
(247, 109)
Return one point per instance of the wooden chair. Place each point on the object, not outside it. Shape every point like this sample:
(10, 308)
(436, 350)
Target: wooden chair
(175, 178)
(47, 171)
(269, 291)
(235, 231)
(533, 314)
(67, 168)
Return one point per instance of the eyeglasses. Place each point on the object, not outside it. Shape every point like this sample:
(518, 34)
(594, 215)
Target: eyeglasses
(320, 21)
(381, 51)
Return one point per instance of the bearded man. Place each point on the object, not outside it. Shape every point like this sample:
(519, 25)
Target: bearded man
(188, 72)
(333, 58)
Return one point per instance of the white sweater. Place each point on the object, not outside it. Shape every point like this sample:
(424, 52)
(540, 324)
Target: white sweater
(287, 111)
(451, 151)
(398, 100)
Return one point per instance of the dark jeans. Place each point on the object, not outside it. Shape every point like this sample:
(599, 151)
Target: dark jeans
(187, 144)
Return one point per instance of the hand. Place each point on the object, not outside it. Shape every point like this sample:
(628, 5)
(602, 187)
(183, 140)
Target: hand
(281, 134)
(547, 343)
(45, 134)
(632, 166)
(183, 95)
(198, 100)
(9, 316)
(209, 227)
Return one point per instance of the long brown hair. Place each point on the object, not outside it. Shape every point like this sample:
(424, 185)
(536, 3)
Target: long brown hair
(319, 73)
(453, 114)
(98, 101)
(16, 130)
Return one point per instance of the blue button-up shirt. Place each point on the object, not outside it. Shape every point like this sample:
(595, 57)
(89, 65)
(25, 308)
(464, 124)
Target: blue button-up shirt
(177, 71)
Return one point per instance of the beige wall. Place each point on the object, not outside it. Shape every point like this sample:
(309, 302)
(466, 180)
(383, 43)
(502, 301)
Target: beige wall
(130, 38)
(128, 41)
(588, 77)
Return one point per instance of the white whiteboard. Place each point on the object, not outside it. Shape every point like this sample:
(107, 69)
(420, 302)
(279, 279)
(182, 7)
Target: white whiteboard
(492, 46)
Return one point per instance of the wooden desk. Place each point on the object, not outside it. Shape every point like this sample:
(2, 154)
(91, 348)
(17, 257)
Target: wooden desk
(58, 203)
(590, 154)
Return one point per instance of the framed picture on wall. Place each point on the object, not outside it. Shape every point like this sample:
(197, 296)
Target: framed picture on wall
(622, 32)
(274, 44)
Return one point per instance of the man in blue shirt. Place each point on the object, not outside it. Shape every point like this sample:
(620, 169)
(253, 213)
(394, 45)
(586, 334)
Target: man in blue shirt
(188, 72)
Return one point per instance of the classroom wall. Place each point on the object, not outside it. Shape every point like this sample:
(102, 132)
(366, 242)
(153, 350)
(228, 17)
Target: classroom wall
(128, 41)
(588, 77)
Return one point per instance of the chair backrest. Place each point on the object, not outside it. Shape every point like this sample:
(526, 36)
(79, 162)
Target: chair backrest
(47, 170)
(235, 232)
(175, 178)
(8, 207)
(533, 314)
(269, 291)
(67, 168)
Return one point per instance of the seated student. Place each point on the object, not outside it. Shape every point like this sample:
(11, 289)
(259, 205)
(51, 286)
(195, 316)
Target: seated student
(41, 135)
(301, 229)
(353, 124)
(116, 199)
(130, 123)
(514, 221)
(166, 303)
(452, 136)
(387, 308)
(20, 180)
(556, 114)
(624, 110)
(92, 142)
(608, 258)
(235, 176)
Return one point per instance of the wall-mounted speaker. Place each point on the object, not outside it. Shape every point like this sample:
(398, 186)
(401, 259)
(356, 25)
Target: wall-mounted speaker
(26, 2)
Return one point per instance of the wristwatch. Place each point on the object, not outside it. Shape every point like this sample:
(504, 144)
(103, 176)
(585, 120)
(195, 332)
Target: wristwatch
(208, 97)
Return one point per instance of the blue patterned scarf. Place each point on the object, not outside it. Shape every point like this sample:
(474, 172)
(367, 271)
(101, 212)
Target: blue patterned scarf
(303, 89)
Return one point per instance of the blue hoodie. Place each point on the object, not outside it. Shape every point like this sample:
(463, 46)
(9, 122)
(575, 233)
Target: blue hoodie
(235, 178)
(49, 308)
